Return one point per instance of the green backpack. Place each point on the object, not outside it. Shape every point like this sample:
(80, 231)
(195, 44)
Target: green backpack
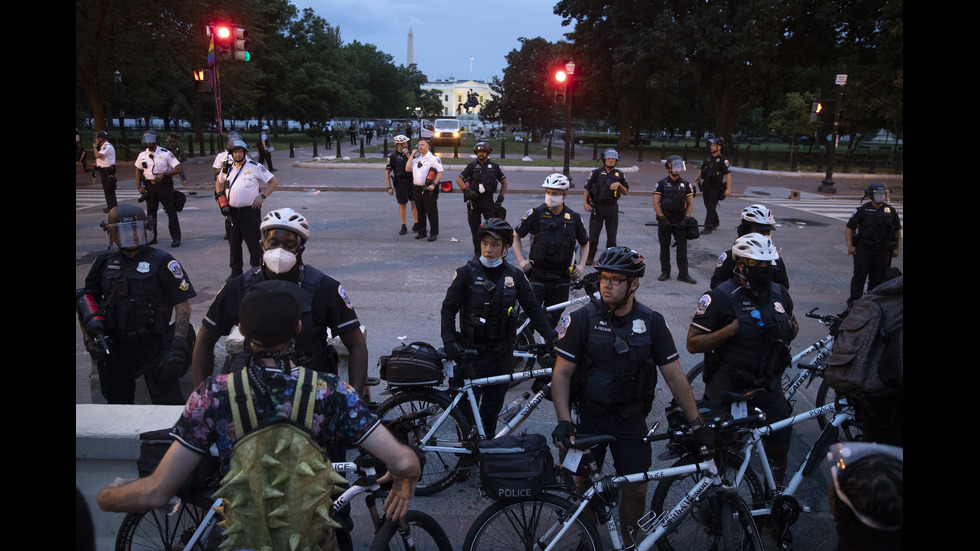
(277, 493)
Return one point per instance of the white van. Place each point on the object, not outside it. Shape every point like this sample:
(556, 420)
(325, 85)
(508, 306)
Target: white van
(447, 131)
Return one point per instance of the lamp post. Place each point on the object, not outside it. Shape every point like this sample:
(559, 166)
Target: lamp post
(827, 184)
(566, 77)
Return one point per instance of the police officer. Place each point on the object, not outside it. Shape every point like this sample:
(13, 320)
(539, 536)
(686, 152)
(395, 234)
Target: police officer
(744, 328)
(242, 181)
(488, 294)
(608, 353)
(155, 171)
(285, 233)
(399, 182)
(105, 165)
(223, 161)
(673, 202)
(715, 181)
(601, 197)
(138, 288)
(755, 219)
(426, 169)
(873, 236)
(554, 230)
(265, 148)
(478, 180)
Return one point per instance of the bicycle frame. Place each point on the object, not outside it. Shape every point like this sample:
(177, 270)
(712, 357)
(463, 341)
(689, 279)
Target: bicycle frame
(823, 346)
(559, 306)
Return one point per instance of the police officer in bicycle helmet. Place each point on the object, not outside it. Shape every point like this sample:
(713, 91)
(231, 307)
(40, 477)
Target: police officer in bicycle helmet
(478, 180)
(744, 328)
(608, 355)
(285, 233)
(488, 294)
(755, 219)
(555, 231)
(399, 182)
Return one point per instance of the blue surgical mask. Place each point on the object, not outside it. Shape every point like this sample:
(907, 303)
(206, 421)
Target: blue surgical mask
(491, 263)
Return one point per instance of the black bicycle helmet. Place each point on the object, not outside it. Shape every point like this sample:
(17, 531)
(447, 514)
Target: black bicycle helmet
(622, 260)
(497, 228)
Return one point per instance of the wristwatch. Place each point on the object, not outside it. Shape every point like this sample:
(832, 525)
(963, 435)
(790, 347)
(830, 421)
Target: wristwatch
(697, 422)
(262, 195)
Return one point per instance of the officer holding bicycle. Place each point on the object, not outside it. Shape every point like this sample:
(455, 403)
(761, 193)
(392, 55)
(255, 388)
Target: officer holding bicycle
(488, 294)
(608, 354)
(744, 328)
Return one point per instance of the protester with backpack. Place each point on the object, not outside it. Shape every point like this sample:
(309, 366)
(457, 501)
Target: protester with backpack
(271, 384)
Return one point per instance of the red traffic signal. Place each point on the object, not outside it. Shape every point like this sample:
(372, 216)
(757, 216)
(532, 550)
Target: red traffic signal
(224, 45)
(560, 76)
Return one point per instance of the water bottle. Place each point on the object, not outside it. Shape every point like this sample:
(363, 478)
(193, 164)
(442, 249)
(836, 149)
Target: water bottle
(512, 408)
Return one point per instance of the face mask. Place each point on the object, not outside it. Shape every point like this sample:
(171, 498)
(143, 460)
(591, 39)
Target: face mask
(759, 278)
(491, 263)
(553, 200)
(279, 260)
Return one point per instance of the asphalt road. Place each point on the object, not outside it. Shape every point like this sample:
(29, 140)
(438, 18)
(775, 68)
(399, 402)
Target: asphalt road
(397, 283)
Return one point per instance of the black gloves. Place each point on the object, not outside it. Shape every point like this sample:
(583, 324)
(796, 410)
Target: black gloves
(562, 433)
(454, 352)
(500, 198)
(174, 363)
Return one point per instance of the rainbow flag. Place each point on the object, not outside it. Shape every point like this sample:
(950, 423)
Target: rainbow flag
(211, 53)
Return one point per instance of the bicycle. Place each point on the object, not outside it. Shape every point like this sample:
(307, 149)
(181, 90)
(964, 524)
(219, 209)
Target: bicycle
(434, 420)
(763, 497)
(192, 523)
(526, 336)
(554, 519)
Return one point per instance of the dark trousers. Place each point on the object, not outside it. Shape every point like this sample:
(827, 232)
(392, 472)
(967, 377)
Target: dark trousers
(497, 360)
(163, 194)
(427, 205)
(125, 363)
(108, 177)
(606, 214)
(553, 290)
(476, 212)
(265, 157)
(679, 233)
(869, 265)
(245, 222)
(711, 194)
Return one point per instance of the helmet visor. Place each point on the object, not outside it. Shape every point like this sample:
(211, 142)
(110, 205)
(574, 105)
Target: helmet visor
(879, 195)
(677, 166)
(128, 235)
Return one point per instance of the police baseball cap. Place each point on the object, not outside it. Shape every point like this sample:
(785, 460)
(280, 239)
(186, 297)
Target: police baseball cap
(269, 312)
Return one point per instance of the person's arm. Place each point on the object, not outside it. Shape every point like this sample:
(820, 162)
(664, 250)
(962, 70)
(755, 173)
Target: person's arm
(529, 302)
(403, 466)
(522, 262)
(586, 198)
(503, 188)
(849, 241)
(699, 341)
(152, 491)
(689, 199)
(583, 255)
(357, 358)
(656, 206)
(728, 184)
(202, 361)
(681, 389)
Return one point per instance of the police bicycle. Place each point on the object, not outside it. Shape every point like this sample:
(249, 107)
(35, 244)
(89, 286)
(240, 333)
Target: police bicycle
(446, 424)
(556, 519)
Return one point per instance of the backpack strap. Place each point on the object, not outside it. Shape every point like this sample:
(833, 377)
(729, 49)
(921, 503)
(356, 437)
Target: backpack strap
(242, 408)
(304, 398)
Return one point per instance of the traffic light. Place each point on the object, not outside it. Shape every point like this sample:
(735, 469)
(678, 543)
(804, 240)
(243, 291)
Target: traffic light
(241, 52)
(561, 79)
(202, 80)
(224, 44)
(816, 110)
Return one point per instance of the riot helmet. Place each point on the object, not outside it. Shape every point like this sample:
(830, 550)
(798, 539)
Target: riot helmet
(482, 146)
(675, 164)
(610, 154)
(877, 192)
(150, 137)
(126, 227)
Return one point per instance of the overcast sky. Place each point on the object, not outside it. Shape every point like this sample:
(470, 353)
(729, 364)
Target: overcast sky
(447, 32)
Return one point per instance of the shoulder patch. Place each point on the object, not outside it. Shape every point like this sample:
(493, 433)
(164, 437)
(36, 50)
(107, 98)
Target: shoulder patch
(703, 304)
(563, 325)
(721, 259)
(175, 269)
(343, 295)
(526, 214)
(779, 307)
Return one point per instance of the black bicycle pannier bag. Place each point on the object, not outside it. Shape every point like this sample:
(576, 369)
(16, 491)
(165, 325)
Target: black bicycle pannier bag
(515, 466)
(412, 364)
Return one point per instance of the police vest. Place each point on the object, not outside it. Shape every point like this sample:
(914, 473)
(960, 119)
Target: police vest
(711, 169)
(618, 379)
(763, 331)
(673, 196)
(397, 162)
(135, 304)
(875, 227)
(599, 184)
(491, 312)
(553, 244)
(483, 174)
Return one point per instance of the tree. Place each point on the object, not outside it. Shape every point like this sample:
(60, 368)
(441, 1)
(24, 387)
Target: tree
(527, 90)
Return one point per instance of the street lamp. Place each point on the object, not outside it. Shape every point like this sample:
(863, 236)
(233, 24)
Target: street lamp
(827, 184)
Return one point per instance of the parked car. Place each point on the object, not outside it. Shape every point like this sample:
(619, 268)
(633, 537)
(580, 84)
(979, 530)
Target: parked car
(447, 131)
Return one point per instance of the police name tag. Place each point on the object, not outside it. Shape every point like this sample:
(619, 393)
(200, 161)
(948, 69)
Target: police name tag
(740, 410)
(572, 459)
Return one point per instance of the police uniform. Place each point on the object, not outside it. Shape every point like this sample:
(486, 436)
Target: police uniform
(242, 189)
(713, 171)
(605, 206)
(675, 196)
(137, 296)
(265, 153)
(160, 192)
(757, 355)
(401, 179)
(875, 234)
(612, 391)
(327, 306)
(427, 202)
(488, 301)
(482, 179)
(106, 167)
(553, 239)
(725, 268)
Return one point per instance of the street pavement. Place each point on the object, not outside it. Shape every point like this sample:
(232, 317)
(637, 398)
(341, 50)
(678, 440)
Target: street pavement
(397, 283)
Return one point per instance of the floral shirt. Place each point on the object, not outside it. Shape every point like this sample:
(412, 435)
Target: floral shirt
(339, 415)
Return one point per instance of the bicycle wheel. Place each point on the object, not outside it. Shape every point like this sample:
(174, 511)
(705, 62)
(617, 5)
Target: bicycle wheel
(850, 431)
(156, 530)
(524, 338)
(423, 530)
(441, 468)
(669, 492)
(735, 522)
(519, 525)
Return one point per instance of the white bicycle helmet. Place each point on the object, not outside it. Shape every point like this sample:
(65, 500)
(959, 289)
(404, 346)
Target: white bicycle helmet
(286, 219)
(758, 215)
(555, 181)
(755, 246)
(401, 138)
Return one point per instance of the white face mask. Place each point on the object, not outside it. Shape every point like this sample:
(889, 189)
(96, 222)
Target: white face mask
(553, 200)
(279, 260)
(491, 263)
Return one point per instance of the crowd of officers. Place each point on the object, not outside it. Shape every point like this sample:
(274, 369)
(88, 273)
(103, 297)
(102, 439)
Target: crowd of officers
(610, 353)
